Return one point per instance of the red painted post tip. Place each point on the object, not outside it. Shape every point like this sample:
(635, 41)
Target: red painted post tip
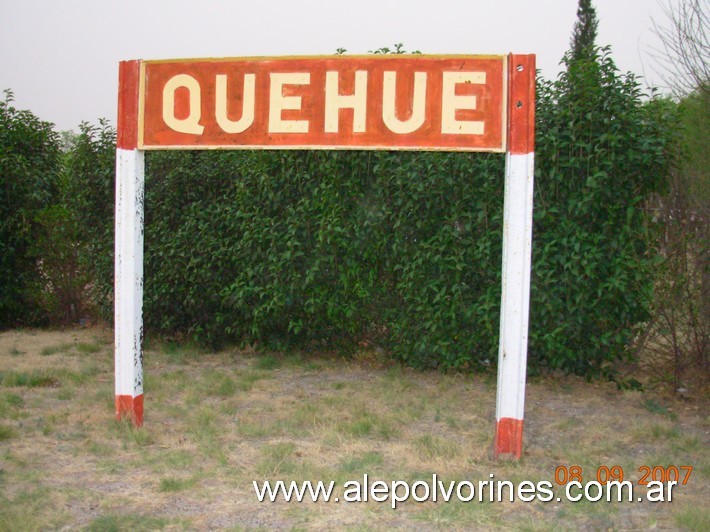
(509, 437)
(128, 96)
(521, 104)
(130, 407)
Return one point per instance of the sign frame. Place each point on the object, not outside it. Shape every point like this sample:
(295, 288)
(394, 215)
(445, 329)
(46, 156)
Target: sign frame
(443, 79)
(517, 133)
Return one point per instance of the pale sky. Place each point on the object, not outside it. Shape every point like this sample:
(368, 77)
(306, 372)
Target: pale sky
(60, 57)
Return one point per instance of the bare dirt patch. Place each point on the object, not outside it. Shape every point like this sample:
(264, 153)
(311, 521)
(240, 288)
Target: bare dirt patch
(215, 423)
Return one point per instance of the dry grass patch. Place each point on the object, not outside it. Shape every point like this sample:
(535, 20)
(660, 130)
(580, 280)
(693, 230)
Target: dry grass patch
(214, 423)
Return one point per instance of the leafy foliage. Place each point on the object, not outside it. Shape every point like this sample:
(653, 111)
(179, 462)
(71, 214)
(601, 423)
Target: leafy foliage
(29, 165)
(75, 234)
(303, 247)
(89, 193)
(403, 249)
(396, 249)
(584, 35)
(62, 280)
(600, 152)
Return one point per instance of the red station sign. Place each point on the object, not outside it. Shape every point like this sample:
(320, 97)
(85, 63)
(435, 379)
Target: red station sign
(420, 102)
(339, 102)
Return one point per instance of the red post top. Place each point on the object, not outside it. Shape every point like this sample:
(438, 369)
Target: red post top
(521, 104)
(128, 96)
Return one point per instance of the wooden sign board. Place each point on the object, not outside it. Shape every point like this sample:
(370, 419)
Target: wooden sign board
(341, 102)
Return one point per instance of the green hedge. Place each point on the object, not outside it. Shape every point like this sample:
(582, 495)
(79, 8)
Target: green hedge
(29, 168)
(303, 247)
(601, 152)
(403, 250)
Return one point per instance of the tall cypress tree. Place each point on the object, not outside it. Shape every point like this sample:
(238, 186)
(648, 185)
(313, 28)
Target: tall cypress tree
(585, 30)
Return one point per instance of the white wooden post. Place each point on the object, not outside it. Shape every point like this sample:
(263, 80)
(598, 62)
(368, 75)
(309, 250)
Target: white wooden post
(128, 288)
(517, 247)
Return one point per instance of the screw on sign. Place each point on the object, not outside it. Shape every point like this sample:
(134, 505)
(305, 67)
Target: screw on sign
(452, 103)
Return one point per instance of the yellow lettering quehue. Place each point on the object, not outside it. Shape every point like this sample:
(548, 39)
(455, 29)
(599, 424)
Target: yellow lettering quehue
(191, 124)
(247, 118)
(278, 102)
(389, 115)
(334, 101)
(451, 102)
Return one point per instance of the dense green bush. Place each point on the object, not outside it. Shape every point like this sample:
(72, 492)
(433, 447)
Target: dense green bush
(601, 151)
(300, 247)
(29, 166)
(89, 192)
(61, 295)
(74, 236)
(401, 249)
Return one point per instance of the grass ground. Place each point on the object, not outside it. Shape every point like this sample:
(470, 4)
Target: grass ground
(216, 422)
